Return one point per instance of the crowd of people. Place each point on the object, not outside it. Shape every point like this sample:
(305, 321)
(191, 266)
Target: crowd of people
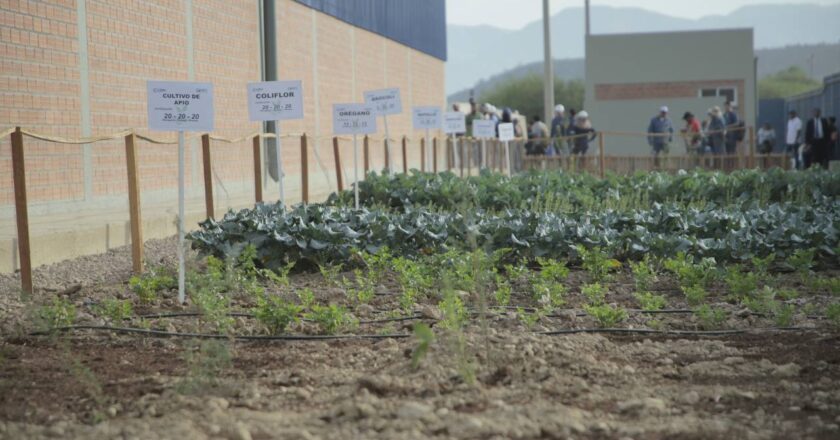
(570, 133)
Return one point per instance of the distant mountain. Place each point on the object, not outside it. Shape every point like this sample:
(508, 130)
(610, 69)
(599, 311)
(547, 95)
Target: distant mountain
(826, 61)
(477, 52)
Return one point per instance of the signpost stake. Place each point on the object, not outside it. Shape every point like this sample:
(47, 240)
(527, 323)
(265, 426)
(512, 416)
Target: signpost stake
(181, 265)
(405, 154)
(366, 154)
(134, 205)
(208, 176)
(468, 160)
(387, 144)
(21, 209)
(355, 170)
(258, 195)
(304, 170)
(434, 156)
(280, 174)
(507, 158)
(428, 157)
(423, 158)
(601, 153)
(483, 153)
(337, 154)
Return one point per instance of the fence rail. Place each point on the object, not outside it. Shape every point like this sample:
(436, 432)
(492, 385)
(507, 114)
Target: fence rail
(470, 155)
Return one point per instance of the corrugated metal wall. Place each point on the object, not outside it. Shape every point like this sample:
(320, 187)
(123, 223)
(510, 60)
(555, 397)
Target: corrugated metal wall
(827, 99)
(772, 111)
(419, 24)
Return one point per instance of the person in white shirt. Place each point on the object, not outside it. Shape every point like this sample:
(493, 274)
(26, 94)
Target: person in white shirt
(766, 139)
(793, 137)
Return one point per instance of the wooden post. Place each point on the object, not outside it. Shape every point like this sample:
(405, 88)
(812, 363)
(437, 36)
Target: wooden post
(387, 156)
(423, 155)
(136, 219)
(469, 158)
(366, 154)
(208, 176)
(258, 195)
(601, 152)
(434, 155)
(337, 154)
(19, 178)
(405, 154)
(304, 170)
(752, 146)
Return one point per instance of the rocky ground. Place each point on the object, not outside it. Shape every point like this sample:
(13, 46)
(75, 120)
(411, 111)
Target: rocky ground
(757, 385)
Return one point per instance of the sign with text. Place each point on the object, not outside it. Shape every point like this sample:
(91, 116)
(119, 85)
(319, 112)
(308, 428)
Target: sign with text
(506, 132)
(354, 119)
(180, 105)
(275, 100)
(426, 118)
(484, 128)
(454, 122)
(385, 101)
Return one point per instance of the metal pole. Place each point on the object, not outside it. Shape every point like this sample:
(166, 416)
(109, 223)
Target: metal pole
(356, 170)
(280, 175)
(586, 16)
(390, 159)
(548, 65)
(181, 265)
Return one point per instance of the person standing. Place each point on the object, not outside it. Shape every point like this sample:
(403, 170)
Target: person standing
(793, 137)
(660, 132)
(472, 117)
(766, 139)
(538, 135)
(582, 132)
(558, 130)
(817, 140)
(692, 134)
(734, 130)
(715, 130)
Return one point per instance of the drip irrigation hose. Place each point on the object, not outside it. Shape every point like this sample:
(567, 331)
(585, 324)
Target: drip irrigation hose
(251, 315)
(679, 332)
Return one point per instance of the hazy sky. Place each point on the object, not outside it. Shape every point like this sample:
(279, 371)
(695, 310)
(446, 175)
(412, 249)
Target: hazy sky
(515, 14)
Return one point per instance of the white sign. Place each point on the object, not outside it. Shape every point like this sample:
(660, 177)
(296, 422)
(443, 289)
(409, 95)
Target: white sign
(484, 128)
(385, 101)
(180, 105)
(426, 117)
(454, 122)
(275, 100)
(506, 132)
(354, 119)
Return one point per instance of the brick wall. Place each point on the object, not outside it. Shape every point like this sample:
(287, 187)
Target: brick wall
(131, 41)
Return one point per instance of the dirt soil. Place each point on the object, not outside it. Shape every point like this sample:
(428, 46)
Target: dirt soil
(762, 385)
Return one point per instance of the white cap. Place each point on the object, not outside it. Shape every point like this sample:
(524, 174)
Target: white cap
(559, 108)
(582, 114)
(663, 109)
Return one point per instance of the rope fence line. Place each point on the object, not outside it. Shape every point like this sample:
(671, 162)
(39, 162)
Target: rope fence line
(471, 152)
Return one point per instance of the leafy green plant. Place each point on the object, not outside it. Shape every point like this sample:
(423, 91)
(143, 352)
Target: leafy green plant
(690, 274)
(644, 274)
(741, 284)
(306, 297)
(363, 286)
(205, 360)
(148, 285)
(528, 319)
(453, 310)
(594, 292)
(415, 278)
(762, 265)
(711, 318)
(762, 301)
(210, 297)
(275, 314)
(425, 338)
(597, 263)
(783, 314)
(332, 274)
(115, 310)
(649, 301)
(606, 315)
(503, 290)
(331, 318)
(60, 312)
(787, 294)
(694, 295)
(802, 261)
(832, 313)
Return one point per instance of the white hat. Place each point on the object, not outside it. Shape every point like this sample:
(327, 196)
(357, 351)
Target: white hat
(559, 108)
(663, 109)
(582, 114)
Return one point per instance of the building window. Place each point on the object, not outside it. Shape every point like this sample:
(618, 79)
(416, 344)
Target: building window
(727, 93)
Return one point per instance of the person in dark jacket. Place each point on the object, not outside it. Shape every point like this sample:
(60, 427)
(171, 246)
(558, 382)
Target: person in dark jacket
(715, 130)
(558, 130)
(818, 140)
(582, 131)
(734, 131)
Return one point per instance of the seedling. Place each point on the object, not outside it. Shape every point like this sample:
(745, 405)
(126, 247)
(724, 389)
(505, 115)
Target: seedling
(763, 301)
(306, 297)
(115, 310)
(711, 318)
(741, 284)
(503, 290)
(762, 265)
(606, 315)
(148, 285)
(802, 261)
(690, 274)
(595, 293)
(832, 313)
(276, 314)
(650, 302)
(59, 313)
(205, 362)
(597, 263)
(331, 274)
(694, 295)
(425, 338)
(452, 308)
(644, 275)
(783, 314)
(331, 318)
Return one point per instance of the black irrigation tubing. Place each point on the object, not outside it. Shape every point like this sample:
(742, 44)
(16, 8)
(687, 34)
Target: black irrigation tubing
(251, 315)
(167, 334)
(679, 332)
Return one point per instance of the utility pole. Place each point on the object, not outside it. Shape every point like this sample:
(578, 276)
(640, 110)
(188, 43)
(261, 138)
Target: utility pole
(548, 74)
(586, 16)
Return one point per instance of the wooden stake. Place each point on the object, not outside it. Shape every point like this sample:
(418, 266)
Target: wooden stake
(304, 170)
(387, 156)
(469, 158)
(366, 153)
(19, 178)
(258, 195)
(136, 219)
(601, 152)
(405, 154)
(208, 176)
(338, 178)
(434, 155)
(423, 155)
(752, 146)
